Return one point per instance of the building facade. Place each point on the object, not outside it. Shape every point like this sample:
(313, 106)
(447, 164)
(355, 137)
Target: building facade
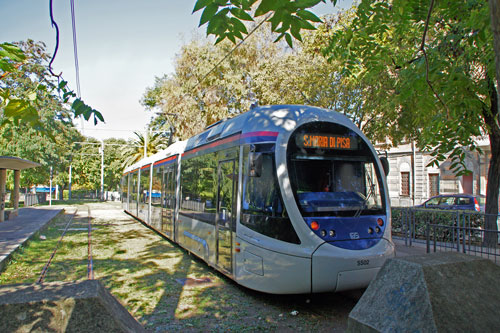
(411, 180)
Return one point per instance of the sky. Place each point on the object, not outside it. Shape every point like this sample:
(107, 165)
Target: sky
(122, 46)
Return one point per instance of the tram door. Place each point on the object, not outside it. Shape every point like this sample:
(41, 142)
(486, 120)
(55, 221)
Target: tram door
(168, 201)
(225, 213)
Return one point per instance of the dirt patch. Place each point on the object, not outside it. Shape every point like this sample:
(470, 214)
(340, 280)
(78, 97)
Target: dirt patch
(164, 287)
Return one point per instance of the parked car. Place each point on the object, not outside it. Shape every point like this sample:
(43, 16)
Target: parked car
(456, 202)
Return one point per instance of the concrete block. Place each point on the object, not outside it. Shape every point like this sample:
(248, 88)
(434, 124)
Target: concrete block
(438, 292)
(84, 306)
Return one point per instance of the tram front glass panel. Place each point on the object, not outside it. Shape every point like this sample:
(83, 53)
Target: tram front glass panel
(263, 209)
(336, 182)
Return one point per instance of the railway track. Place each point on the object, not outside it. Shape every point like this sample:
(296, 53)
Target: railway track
(90, 266)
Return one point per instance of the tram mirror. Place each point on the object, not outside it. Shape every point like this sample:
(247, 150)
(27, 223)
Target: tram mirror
(255, 168)
(385, 164)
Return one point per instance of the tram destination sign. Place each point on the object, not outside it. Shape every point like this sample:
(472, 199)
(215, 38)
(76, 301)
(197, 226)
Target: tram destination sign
(326, 141)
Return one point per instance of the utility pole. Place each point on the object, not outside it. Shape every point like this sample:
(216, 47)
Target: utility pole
(69, 188)
(102, 170)
(50, 188)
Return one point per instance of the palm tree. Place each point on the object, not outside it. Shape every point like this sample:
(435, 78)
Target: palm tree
(153, 142)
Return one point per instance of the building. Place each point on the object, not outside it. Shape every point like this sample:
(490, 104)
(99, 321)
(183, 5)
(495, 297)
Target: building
(411, 180)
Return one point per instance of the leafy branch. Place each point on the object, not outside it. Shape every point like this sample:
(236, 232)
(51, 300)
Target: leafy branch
(25, 109)
(288, 18)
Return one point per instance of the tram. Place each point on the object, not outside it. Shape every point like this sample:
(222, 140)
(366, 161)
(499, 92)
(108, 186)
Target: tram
(282, 199)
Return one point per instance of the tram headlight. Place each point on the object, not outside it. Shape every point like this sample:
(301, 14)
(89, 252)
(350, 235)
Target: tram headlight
(314, 225)
(331, 233)
(377, 229)
(370, 231)
(323, 233)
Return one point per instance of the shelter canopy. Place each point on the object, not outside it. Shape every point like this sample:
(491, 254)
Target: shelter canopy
(16, 163)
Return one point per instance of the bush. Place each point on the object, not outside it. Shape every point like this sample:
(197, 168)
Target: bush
(418, 218)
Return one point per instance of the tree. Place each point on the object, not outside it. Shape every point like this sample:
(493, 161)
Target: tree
(25, 140)
(113, 161)
(438, 58)
(134, 150)
(200, 93)
(26, 108)
(441, 67)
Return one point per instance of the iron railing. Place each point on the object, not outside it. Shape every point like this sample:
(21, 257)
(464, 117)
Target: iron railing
(473, 241)
(445, 230)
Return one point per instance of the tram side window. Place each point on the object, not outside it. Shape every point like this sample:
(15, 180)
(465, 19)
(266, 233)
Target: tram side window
(133, 185)
(156, 190)
(262, 209)
(169, 182)
(198, 183)
(124, 185)
(144, 186)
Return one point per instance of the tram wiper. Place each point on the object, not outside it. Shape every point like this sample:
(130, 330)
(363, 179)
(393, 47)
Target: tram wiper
(364, 205)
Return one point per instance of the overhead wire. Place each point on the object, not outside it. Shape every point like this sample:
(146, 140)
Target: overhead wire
(75, 49)
(54, 24)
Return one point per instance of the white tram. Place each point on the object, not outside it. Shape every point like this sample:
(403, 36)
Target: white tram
(282, 199)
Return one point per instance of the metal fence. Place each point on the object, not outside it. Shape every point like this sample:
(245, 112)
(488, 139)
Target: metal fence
(31, 199)
(473, 241)
(442, 230)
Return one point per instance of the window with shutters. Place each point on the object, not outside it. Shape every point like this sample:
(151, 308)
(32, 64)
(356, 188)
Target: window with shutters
(405, 184)
(433, 184)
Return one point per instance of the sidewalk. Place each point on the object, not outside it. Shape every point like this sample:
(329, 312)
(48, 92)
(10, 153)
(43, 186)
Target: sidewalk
(402, 250)
(17, 231)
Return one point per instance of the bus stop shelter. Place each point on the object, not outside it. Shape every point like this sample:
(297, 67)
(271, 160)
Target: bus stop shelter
(17, 164)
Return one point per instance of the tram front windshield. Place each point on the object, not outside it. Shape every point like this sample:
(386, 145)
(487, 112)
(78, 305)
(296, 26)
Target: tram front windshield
(333, 172)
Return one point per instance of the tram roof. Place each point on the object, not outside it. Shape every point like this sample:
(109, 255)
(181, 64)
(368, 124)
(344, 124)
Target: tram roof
(276, 118)
(174, 149)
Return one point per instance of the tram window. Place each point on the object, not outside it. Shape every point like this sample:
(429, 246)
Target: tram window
(332, 180)
(124, 185)
(144, 186)
(156, 189)
(199, 187)
(262, 209)
(133, 186)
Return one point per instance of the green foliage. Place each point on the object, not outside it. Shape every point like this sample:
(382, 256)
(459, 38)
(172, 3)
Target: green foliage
(287, 18)
(133, 151)
(422, 217)
(263, 71)
(10, 54)
(437, 90)
(36, 121)
(198, 97)
(18, 63)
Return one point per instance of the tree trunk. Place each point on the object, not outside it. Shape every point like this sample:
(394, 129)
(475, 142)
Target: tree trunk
(61, 192)
(491, 118)
(492, 193)
(495, 27)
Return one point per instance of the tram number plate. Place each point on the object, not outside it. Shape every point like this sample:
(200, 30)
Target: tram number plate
(364, 262)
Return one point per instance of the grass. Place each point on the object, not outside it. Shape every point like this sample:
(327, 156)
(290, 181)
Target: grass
(145, 271)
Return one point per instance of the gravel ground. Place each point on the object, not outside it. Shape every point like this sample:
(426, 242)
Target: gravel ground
(164, 287)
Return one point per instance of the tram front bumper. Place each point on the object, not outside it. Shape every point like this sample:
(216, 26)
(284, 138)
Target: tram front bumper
(336, 269)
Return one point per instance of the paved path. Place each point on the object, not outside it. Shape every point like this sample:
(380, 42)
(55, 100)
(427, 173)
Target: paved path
(17, 231)
(402, 250)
